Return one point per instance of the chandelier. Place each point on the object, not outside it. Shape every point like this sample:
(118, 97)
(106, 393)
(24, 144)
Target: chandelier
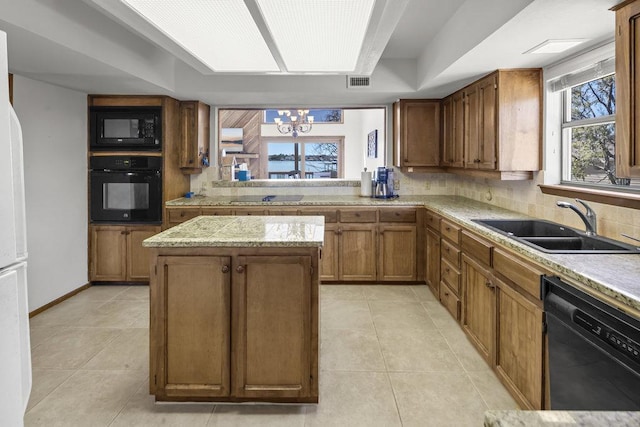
(301, 123)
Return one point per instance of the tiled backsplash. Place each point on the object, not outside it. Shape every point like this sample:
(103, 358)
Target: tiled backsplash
(519, 196)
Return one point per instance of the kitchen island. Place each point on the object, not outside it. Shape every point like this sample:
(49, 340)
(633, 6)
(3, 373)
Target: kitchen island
(234, 309)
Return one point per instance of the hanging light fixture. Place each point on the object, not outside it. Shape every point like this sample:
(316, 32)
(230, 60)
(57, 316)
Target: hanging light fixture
(295, 124)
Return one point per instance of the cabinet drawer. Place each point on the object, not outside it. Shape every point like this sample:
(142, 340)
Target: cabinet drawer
(216, 211)
(250, 212)
(450, 275)
(520, 273)
(397, 215)
(476, 248)
(450, 231)
(432, 220)
(177, 216)
(358, 215)
(329, 216)
(450, 252)
(450, 301)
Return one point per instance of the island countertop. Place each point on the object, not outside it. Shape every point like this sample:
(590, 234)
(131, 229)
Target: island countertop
(242, 231)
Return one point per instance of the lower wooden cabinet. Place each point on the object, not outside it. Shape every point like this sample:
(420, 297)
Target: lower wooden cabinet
(329, 261)
(197, 297)
(519, 346)
(234, 327)
(432, 248)
(357, 252)
(117, 254)
(397, 260)
(478, 310)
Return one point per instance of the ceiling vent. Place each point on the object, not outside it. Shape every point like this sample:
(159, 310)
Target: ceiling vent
(357, 82)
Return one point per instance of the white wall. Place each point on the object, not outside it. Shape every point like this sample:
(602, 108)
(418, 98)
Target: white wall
(54, 126)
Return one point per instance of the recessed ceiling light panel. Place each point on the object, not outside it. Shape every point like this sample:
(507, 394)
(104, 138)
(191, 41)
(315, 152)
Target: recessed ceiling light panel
(555, 46)
(220, 33)
(318, 35)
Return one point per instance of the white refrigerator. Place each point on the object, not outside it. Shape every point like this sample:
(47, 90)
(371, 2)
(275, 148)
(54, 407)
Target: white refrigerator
(15, 353)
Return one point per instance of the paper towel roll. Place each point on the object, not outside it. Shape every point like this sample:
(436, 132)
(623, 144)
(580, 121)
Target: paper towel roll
(365, 184)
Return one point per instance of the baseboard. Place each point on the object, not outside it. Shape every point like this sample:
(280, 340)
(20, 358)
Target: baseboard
(59, 300)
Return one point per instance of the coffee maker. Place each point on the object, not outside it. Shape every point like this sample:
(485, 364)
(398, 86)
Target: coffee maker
(384, 183)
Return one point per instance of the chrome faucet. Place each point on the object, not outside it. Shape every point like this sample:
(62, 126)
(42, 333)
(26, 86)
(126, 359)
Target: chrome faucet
(589, 218)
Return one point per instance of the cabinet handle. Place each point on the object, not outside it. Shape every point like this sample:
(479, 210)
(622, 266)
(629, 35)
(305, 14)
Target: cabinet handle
(123, 232)
(446, 294)
(448, 228)
(225, 268)
(240, 269)
(447, 270)
(488, 284)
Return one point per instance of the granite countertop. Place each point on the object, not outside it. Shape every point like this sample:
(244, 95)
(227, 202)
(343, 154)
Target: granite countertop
(613, 275)
(561, 418)
(242, 231)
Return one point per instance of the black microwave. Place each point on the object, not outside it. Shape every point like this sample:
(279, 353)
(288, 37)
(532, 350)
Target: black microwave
(130, 128)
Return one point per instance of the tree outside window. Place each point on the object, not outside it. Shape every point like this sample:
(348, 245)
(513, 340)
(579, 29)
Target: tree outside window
(589, 134)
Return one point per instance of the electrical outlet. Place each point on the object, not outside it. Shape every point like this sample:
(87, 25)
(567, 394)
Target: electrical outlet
(427, 185)
(396, 185)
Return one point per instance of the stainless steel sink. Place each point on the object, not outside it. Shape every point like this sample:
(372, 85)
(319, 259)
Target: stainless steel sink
(551, 237)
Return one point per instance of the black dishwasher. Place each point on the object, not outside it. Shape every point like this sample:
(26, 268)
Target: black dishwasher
(594, 351)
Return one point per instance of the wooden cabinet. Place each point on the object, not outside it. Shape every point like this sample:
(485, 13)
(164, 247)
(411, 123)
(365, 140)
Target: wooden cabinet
(397, 244)
(453, 130)
(175, 216)
(493, 127)
(627, 88)
(519, 329)
(272, 342)
(197, 336)
(480, 122)
(519, 345)
(449, 291)
(357, 252)
(432, 251)
(416, 133)
(478, 311)
(117, 253)
(329, 259)
(194, 136)
(398, 247)
(234, 325)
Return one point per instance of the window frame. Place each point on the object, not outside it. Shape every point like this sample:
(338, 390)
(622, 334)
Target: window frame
(550, 181)
(339, 140)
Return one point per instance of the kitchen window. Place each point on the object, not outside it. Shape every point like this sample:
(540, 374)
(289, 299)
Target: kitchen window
(304, 158)
(588, 129)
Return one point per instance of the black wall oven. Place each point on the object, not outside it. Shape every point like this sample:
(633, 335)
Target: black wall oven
(125, 128)
(126, 189)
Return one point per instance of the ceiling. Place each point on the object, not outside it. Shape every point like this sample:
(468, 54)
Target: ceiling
(419, 49)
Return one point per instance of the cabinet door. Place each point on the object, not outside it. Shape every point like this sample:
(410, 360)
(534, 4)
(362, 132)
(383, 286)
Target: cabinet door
(194, 135)
(329, 262)
(519, 350)
(177, 216)
(627, 90)
(272, 326)
(472, 127)
(138, 256)
(419, 133)
(488, 123)
(357, 252)
(478, 307)
(397, 252)
(108, 253)
(433, 260)
(195, 328)
(453, 149)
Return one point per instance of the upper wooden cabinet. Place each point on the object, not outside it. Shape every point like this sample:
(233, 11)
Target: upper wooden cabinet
(194, 136)
(493, 127)
(453, 130)
(416, 133)
(627, 88)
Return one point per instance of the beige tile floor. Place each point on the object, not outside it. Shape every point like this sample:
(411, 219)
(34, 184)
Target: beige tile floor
(389, 356)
